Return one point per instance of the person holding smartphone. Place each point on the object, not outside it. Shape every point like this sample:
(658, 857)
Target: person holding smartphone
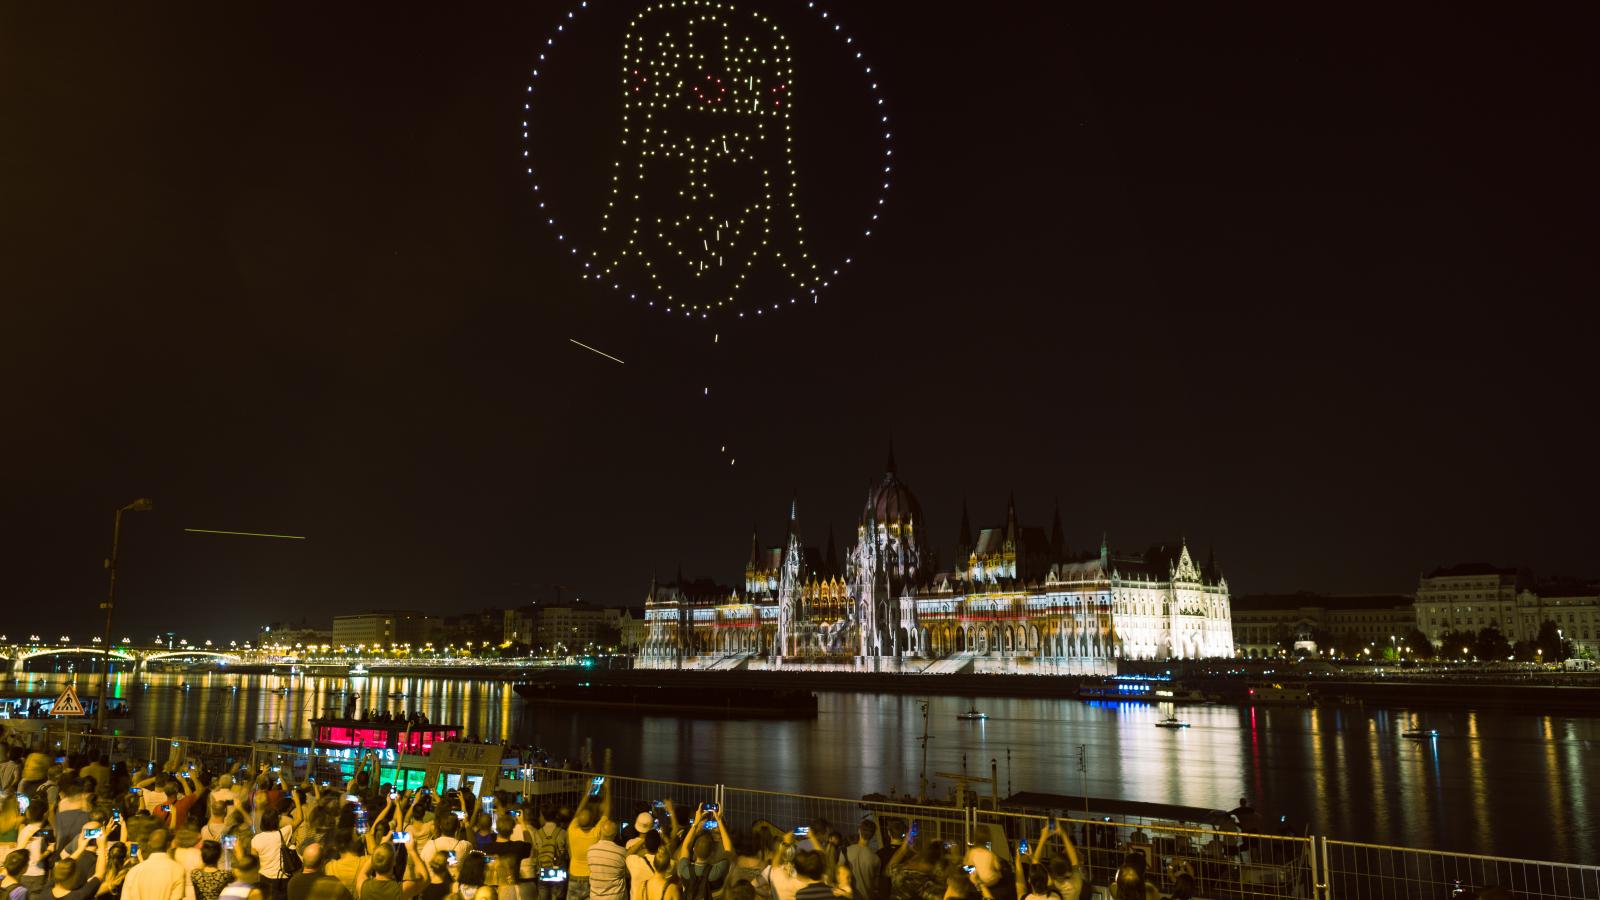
(582, 834)
(914, 867)
(700, 869)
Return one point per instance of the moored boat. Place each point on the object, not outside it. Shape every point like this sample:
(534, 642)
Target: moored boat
(724, 702)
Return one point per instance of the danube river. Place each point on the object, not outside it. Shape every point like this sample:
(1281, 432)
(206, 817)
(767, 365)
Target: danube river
(1509, 784)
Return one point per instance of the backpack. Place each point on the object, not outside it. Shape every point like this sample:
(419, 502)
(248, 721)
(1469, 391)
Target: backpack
(696, 886)
(288, 859)
(550, 851)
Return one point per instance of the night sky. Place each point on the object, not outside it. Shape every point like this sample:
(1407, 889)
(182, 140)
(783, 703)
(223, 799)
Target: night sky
(1311, 287)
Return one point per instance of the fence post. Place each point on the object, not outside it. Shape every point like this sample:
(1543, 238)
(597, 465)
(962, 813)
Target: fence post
(1326, 874)
(1316, 880)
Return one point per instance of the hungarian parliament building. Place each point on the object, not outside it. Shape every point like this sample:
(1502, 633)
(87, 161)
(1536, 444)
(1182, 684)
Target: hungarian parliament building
(1013, 599)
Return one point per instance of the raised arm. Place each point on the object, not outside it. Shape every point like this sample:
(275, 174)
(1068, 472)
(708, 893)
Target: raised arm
(692, 833)
(298, 814)
(1066, 840)
(722, 831)
(1038, 849)
(1022, 881)
(900, 854)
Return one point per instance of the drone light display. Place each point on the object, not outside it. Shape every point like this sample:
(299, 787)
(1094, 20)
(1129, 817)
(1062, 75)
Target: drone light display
(704, 213)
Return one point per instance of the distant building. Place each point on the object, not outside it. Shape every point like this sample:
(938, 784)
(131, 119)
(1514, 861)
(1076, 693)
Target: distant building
(480, 628)
(1265, 624)
(516, 626)
(632, 630)
(382, 627)
(291, 635)
(575, 627)
(1572, 605)
(1471, 597)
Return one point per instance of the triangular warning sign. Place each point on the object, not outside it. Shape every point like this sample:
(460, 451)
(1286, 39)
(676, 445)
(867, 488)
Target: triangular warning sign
(67, 704)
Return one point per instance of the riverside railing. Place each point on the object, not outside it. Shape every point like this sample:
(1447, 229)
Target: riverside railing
(1226, 864)
(1376, 872)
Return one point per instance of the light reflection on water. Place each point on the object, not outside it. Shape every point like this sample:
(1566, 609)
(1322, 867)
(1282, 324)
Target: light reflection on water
(1495, 783)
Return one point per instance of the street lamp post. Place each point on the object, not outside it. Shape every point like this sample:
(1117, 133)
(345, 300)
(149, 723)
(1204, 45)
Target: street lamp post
(143, 504)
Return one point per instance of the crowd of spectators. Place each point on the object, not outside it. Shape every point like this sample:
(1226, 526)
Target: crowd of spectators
(77, 827)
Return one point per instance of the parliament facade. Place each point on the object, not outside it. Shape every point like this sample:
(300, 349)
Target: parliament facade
(1012, 599)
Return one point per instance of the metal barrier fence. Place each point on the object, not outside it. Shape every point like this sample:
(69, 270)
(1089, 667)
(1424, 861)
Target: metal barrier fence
(1226, 865)
(629, 796)
(1375, 872)
(138, 751)
(758, 812)
(782, 812)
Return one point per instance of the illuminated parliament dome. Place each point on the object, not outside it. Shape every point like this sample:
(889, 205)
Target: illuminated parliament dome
(1012, 598)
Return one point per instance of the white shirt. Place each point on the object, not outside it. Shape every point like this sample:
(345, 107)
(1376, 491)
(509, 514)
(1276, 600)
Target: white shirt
(27, 839)
(159, 877)
(151, 799)
(639, 870)
(783, 879)
(443, 844)
(269, 845)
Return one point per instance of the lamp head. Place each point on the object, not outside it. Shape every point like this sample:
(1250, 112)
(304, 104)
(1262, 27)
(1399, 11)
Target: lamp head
(143, 504)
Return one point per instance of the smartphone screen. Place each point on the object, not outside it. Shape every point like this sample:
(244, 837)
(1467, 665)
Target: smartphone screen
(1022, 846)
(402, 837)
(802, 830)
(915, 826)
(969, 869)
(450, 857)
(93, 834)
(22, 803)
(133, 849)
(599, 780)
(711, 825)
(229, 842)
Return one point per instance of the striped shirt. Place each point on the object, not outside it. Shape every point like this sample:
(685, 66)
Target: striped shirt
(608, 871)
